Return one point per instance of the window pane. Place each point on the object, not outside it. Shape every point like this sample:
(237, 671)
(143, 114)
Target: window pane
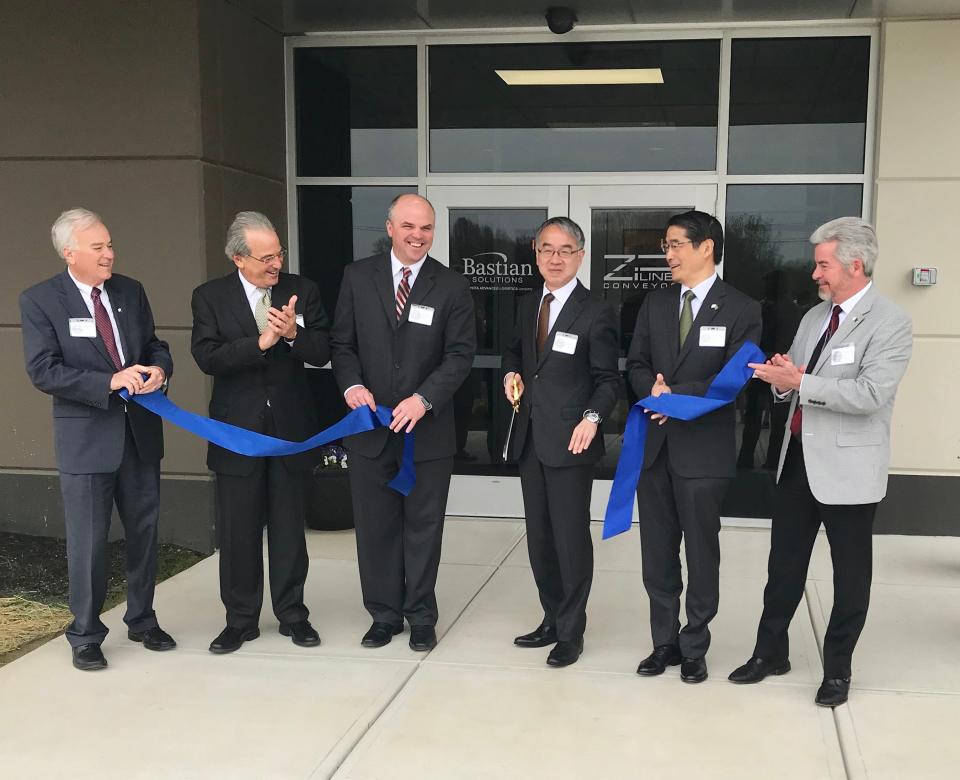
(768, 255)
(356, 111)
(478, 123)
(339, 225)
(798, 105)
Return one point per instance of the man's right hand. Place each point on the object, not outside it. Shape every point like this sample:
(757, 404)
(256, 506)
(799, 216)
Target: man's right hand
(508, 381)
(268, 338)
(359, 396)
(129, 379)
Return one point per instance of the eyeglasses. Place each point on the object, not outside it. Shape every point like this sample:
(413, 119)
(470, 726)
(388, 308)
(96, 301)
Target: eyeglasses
(565, 252)
(267, 259)
(665, 245)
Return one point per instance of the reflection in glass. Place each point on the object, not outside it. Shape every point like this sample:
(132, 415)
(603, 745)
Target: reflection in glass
(479, 123)
(356, 111)
(337, 226)
(626, 262)
(768, 256)
(798, 105)
(493, 248)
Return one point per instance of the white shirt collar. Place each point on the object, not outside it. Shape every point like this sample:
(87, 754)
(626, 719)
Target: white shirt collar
(701, 290)
(561, 294)
(253, 292)
(85, 289)
(853, 300)
(398, 267)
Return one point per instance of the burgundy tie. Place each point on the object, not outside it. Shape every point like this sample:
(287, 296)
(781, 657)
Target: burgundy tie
(403, 292)
(104, 328)
(796, 422)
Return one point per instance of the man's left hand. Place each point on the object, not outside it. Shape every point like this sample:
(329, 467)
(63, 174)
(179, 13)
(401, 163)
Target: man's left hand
(284, 319)
(783, 375)
(407, 413)
(155, 378)
(582, 436)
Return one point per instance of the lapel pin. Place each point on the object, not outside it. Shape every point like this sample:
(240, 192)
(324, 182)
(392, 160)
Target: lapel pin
(714, 306)
(119, 309)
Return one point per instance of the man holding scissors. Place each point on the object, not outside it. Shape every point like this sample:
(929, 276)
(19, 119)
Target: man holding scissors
(568, 351)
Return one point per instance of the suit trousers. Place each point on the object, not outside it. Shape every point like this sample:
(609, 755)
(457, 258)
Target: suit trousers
(88, 501)
(271, 496)
(556, 503)
(399, 537)
(672, 508)
(796, 521)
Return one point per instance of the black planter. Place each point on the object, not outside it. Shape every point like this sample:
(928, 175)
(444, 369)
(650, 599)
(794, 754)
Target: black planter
(327, 502)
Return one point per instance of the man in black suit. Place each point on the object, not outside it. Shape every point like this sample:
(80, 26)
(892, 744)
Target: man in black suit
(403, 335)
(567, 347)
(253, 330)
(87, 334)
(683, 337)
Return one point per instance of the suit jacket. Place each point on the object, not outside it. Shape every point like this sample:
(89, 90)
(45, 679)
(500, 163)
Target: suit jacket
(559, 387)
(394, 360)
(705, 447)
(847, 408)
(225, 346)
(88, 418)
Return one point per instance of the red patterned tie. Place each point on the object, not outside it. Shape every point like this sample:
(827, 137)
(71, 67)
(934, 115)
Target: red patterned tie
(796, 422)
(104, 328)
(403, 292)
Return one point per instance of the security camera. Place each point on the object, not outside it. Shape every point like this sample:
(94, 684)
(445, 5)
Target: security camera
(561, 19)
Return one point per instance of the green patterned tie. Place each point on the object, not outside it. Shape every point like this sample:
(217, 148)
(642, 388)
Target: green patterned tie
(686, 316)
(260, 310)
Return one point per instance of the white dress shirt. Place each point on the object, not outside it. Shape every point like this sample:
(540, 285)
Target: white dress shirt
(397, 268)
(85, 293)
(699, 293)
(560, 296)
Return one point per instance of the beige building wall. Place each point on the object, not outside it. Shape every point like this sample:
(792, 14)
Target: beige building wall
(917, 211)
(166, 118)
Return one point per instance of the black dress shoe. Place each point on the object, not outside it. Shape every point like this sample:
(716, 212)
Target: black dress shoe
(232, 638)
(89, 658)
(380, 634)
(302, 633)
(754, 670)
(693, 670)
(153, 638)
(833, 692)
(422, 638)
(541, 636)
(565, 653)
(658, 661)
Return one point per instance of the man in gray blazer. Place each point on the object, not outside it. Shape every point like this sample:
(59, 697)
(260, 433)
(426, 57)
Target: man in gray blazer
(840, 378)
(87, 334)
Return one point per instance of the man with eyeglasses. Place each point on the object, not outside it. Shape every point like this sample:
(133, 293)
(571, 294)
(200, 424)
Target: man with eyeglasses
(683, 336)
(562, 368)
(253, 330)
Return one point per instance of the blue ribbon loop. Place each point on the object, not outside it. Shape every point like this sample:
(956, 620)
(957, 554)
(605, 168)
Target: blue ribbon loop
(723, 390)
(258, 445)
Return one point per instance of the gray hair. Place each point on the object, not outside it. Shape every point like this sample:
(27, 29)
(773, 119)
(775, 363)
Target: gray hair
(567, 225)
(856, 240)
(67, 224)
(404, 195)
(237, 232)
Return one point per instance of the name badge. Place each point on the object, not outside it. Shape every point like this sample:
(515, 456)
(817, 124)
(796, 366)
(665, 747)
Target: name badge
(713, 336)
(843, 355)
(422, 315)
(565, 342)
(83, 327)
(300, 321)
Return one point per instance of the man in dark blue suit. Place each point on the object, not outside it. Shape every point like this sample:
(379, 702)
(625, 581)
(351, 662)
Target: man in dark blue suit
(87, 334)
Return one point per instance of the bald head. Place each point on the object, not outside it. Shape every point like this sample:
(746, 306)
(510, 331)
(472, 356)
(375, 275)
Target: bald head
(410, 224)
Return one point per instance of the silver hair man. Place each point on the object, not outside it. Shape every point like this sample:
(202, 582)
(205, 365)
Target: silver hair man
(567, 225)
(236, 233)
(856, 240)
(68, 223)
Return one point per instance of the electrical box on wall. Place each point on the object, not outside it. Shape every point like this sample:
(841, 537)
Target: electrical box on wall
(924, 277)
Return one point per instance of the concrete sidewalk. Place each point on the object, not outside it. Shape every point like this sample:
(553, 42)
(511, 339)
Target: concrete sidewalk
(478, 707)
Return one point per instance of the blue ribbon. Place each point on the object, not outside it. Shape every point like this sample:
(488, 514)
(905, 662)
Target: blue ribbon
(258, 445)
(723, 390)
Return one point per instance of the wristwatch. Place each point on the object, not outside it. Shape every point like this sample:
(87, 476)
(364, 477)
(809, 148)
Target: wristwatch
(426, 404)
(591, 416)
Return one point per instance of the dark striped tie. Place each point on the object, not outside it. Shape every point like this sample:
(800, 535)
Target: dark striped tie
(104, 328)
(403, 292)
